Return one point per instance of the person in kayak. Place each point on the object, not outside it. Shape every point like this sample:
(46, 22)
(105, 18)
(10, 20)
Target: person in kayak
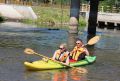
(62, 54)
(79, 52)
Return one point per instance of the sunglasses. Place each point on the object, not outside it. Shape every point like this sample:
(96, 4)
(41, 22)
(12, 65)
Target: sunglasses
(77, 43)
(61, 48)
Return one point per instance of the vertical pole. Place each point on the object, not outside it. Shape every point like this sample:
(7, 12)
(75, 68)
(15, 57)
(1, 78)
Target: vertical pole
(74, 22)
(74, 16)
(92, 22)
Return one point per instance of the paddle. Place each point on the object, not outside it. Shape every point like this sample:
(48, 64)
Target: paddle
(93, 40)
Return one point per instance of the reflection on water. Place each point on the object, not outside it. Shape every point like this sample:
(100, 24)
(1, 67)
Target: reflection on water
(71, 40)
(55, 75)
(14, 37)
(30, 36)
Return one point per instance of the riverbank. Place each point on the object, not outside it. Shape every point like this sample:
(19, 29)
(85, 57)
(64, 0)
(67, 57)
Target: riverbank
(53, 16)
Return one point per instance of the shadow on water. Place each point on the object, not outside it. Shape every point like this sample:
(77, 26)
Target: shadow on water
(14, 37)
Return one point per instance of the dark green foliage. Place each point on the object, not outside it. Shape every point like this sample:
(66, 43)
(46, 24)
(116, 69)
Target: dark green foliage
(1, 19)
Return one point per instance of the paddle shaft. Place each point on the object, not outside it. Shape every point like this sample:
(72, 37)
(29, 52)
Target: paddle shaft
(52, 59)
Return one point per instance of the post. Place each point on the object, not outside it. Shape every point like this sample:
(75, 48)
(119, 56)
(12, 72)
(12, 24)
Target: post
(92, 21)
(74, 16)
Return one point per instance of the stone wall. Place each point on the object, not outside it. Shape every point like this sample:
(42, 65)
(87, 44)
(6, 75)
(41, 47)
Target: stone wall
(17, 12)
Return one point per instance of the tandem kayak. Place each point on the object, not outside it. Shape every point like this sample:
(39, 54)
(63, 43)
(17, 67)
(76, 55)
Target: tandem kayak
(43, 65)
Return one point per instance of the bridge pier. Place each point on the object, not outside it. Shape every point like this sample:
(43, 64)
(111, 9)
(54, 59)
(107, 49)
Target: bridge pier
(110, 25)
(92, 21)
(74, 16)
(101, 24)
(118, 26)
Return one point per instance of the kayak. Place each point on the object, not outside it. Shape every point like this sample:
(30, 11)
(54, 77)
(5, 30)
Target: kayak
(49, 64)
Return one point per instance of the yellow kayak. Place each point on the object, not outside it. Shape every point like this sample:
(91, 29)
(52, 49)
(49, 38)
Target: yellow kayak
(45, 65)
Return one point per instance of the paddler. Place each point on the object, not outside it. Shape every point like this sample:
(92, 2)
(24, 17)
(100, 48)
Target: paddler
(79, 52)
(62, 54)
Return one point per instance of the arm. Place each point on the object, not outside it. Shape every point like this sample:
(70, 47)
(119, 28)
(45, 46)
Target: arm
(87, 52)
(67, 60)
(54, 55)
(71, 53)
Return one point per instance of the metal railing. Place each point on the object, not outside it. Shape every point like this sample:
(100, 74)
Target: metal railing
(107, 9)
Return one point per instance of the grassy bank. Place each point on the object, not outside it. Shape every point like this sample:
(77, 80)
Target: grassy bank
(53, 16)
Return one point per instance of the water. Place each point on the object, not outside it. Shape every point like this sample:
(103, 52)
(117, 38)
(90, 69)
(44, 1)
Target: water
(15, 37)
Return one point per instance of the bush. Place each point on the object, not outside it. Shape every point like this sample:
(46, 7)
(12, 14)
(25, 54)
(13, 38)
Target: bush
(1, 19)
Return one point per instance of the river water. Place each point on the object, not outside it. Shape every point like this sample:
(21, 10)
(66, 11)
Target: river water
(15, 37)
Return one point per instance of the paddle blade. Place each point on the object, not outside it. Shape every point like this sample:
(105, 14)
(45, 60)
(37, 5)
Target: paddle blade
(93, 40)
(29, 51)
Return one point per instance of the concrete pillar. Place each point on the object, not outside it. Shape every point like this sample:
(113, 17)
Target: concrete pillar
(110, 25)
(74, 16)
(101, 24)
(92, 21)
(73, 25)
(118, 26)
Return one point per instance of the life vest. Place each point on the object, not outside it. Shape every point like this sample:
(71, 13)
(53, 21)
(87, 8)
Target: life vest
(76, 53)
(61, 56)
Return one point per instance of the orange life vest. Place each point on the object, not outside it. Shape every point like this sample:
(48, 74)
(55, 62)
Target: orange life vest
(61, 56)
(76, 53)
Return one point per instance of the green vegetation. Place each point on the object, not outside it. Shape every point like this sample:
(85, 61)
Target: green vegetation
(110, 5)
(1, 19)
(53, 16)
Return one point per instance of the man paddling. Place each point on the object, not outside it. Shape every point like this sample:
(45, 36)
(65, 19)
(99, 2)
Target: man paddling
(79, 52)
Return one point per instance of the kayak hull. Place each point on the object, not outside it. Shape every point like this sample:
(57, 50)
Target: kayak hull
(47, 65)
